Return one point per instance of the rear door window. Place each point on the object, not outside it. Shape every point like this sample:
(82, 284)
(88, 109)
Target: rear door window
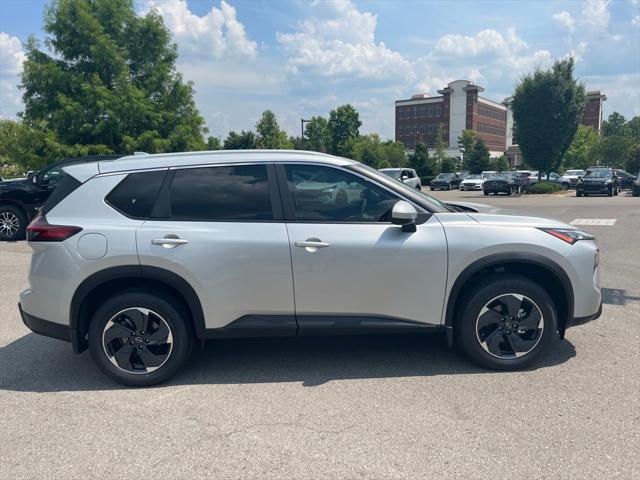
(135, 196)
(225, 193)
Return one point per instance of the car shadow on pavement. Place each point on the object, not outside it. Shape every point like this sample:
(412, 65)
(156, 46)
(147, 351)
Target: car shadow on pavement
(617, 296)
(36, 364)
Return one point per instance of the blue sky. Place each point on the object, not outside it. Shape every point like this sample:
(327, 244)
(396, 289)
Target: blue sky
(303, 58)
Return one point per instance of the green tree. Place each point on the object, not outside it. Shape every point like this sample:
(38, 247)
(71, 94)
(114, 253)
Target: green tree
(479, 160)
(581, 151)
(612, 151)
(440, 155)
(547, 107)
(270, 137)
(466, 141)
(614, 125)
(317, 135)
(499, 164)
(344, 126)
(632, 164)
(394, 153)
(448, 165)
(421, 162)
(240, 141)
(213, 143)
(108, 81)
(366, 149)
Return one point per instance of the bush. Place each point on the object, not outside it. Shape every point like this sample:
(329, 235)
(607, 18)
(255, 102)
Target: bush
(544, 187)
(425, 181)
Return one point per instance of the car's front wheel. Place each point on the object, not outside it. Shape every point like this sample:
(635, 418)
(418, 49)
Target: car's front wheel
(13, 223)
(506, 323)
(139, 339)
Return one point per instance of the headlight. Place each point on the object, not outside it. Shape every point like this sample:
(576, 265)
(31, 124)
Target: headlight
(568, 235)
(608, 182)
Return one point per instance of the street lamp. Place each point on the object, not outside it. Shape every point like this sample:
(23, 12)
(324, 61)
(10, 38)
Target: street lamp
(302, 122)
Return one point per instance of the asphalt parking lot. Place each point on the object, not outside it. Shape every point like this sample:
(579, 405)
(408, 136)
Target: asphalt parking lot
(356, 407)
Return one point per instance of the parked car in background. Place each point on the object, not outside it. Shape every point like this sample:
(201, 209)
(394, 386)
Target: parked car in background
(514, 179)
(532, 179)
(171, 249)
(625, 179)
(598, 180)
(570, 178)
(405, 175)
(635, 189)
(488, 173)
(463, 174)
(472, 182)
(498, 184)
(20, 199)
(445, 181)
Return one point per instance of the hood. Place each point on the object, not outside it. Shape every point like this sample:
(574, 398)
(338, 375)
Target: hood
(8, 185)
(490, 215)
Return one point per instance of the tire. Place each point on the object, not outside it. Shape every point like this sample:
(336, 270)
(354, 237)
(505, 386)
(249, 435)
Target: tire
(565, 186)
(499, 350)
(486, 194)
(616, 191)
(170, 327)
(13, 223)
(578, 194)
(610, 192)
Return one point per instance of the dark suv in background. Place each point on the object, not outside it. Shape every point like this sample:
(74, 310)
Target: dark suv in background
(21, 199)
(625, 179)
(598, 180)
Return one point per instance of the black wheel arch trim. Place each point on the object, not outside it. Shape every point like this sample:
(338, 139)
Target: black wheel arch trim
(142, 273)
(517, 257)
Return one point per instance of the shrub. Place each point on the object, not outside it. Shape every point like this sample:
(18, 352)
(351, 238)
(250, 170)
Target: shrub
(544, 187)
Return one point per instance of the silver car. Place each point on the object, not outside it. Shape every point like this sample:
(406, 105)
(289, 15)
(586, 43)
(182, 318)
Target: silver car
(404, 175)
(138, 258)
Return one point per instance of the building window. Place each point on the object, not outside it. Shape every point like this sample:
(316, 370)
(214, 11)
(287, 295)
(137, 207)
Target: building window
(489, 112)
(491, 129)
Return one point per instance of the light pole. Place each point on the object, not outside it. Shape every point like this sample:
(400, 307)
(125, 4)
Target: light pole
(302, 122)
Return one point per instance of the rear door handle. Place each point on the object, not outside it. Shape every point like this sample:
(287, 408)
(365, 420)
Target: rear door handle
(312, 244)
(169, 242)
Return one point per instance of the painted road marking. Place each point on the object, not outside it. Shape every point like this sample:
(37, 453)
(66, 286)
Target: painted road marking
(594, 221)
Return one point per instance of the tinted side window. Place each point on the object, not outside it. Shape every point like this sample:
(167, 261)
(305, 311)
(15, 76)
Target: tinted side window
(239, 193)
(66, 186)
(136, 194)
(326, 194)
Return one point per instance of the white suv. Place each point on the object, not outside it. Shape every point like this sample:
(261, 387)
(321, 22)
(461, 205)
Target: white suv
(136, 258)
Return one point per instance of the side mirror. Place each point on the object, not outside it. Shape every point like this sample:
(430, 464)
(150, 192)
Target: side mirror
(404, 177)
(405, 214)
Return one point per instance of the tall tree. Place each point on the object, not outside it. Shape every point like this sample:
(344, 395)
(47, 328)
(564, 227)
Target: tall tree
(547, 107)
(465, 142)
(213, 143)
(109, 80)
(270, 136)
(614, 125)
(240, 141)
(420, 161)
(440, 154)
(317, 135)
(580, 154)
(612, 151)
(632, 164)
(344, 126)
(479, 160)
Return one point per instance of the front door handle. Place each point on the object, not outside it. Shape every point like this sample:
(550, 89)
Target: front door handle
(170, 241)
(312, 245)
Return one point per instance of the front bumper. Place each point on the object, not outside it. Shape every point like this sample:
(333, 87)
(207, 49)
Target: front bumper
(45, 327)
(581, 320)
(598, 188)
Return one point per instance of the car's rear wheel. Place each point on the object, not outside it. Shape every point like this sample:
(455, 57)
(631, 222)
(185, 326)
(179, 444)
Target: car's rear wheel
(506, 323)
(610, 192)
(13, 223)
(565, 186)
(139, 339)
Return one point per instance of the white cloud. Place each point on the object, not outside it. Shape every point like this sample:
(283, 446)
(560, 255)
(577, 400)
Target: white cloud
(483, 42)
(565, 19)
(636, 21)
(339, 41)
(595, 14)
(11, 58)
(216, 34)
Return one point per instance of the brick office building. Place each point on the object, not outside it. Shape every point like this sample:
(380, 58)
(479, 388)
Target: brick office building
(459, 106)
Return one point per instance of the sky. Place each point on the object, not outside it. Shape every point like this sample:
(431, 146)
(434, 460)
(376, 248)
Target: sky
(304, 58)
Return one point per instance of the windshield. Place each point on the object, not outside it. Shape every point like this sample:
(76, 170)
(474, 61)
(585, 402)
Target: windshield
(443, 176)
(434, 204)
(392, 173)
(598, 173)
(473, 177)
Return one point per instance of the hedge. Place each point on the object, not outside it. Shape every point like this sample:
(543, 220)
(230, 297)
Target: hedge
(544, 187)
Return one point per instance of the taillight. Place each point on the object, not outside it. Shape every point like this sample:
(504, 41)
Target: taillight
(39, 230)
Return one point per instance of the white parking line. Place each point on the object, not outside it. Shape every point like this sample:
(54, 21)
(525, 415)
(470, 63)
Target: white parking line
(594, 221)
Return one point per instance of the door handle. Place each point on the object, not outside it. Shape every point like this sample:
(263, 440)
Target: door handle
(169, 241)
(312, 245)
